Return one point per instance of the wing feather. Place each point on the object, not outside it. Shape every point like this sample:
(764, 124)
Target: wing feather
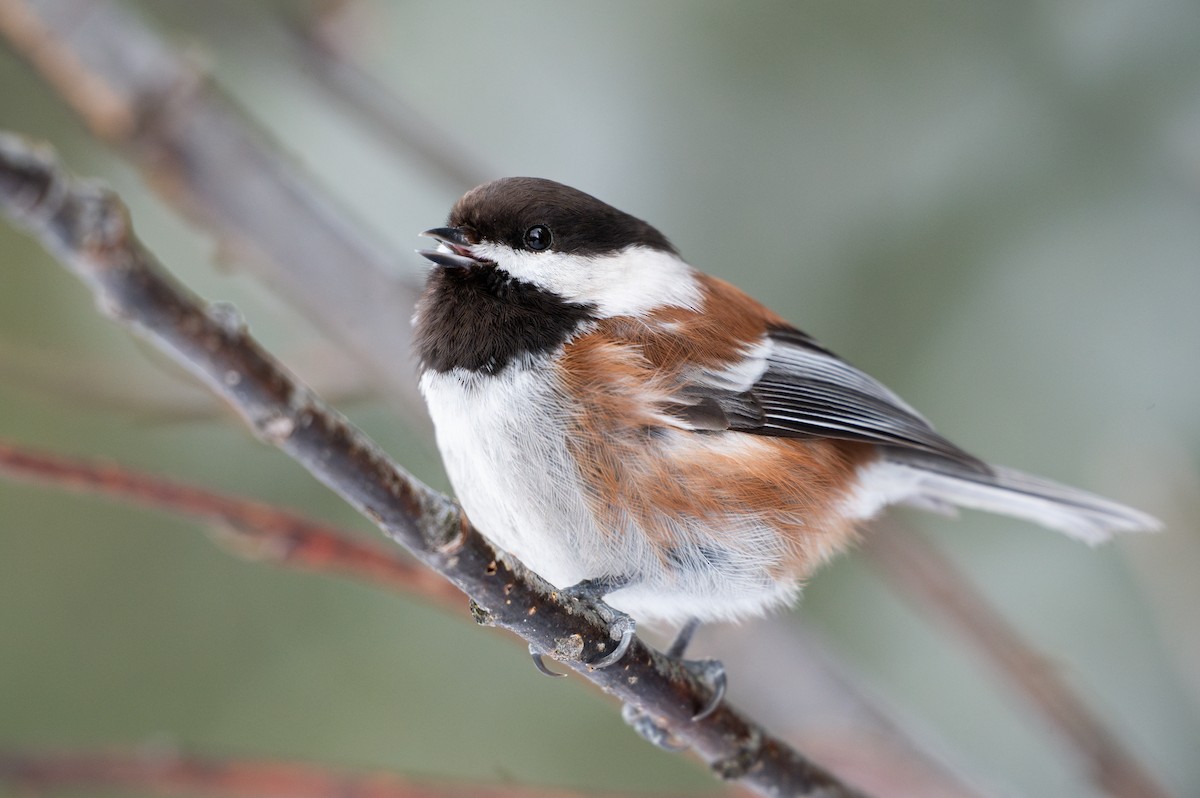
(788, 385)
(801, 389)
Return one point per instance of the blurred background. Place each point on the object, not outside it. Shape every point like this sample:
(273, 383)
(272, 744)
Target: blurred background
(992, 207)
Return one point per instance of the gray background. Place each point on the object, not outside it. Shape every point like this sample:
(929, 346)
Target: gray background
(992, 207)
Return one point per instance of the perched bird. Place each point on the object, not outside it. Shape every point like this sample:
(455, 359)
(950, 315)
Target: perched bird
(634, 429)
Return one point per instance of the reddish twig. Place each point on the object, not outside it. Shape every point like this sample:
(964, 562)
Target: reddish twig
(278, 535)
(919, 570)
(88, 229)
(173, 774)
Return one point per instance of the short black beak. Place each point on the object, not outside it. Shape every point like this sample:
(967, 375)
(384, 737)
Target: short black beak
(449, 235)
(455, 240)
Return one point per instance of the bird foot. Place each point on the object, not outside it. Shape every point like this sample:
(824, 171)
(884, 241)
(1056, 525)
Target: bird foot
(709, 671)
(621, 627)
(712, 673)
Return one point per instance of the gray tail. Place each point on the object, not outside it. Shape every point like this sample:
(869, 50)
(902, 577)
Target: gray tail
(1077, 513)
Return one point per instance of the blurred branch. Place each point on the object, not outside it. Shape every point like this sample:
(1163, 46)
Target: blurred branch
(322, 51)
(215, 165)
(88, 229)
(868, 748)
(262, 531)
(827, 712)
(1166, 572)
(79, 381)
(917, 569)
(173, 773)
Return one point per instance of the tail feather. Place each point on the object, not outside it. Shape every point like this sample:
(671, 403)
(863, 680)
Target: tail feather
(1075, 512)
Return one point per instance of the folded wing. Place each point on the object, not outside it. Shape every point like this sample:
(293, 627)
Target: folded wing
(788, 385)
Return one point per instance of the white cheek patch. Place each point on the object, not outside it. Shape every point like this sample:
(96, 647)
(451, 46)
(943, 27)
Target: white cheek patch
(631, 282)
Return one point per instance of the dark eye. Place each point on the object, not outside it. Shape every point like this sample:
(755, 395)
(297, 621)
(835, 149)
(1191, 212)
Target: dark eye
(537, 238)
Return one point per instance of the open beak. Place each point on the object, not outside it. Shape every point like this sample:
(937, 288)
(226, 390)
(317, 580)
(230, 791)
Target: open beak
(454, 250)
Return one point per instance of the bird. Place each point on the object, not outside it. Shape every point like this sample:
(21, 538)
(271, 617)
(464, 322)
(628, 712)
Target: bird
(635, 430)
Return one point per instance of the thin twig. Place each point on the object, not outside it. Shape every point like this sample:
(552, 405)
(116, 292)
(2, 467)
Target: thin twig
(381, 108)
(174, 773)
(919, 570)
(819, 702)
(88, 229)
(263, 531)
(217, 166)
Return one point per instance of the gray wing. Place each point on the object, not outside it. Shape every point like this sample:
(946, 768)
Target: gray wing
(800, 389)
(791, 386)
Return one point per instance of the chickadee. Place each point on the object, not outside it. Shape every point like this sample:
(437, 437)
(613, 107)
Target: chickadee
(620, 421)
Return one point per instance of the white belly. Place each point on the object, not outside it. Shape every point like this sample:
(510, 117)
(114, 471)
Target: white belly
(506, 456)
(504, 448)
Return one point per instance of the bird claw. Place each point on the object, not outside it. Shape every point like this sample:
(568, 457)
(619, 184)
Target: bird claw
(619, 623)
(712, 673)
(627, 627)
(709, 671)
(621, 626)
(540, 664)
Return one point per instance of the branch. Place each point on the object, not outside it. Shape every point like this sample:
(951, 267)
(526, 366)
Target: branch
(325, 56)
(88, 229)
(215, 165)
(919, 570)
(866, 746)
(174, 773)
(274, 533)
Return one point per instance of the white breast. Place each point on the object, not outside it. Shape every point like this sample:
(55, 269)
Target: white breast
(503, 442)
(503, 445)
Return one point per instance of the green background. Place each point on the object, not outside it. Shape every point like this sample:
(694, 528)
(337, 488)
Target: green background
(992, 207)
